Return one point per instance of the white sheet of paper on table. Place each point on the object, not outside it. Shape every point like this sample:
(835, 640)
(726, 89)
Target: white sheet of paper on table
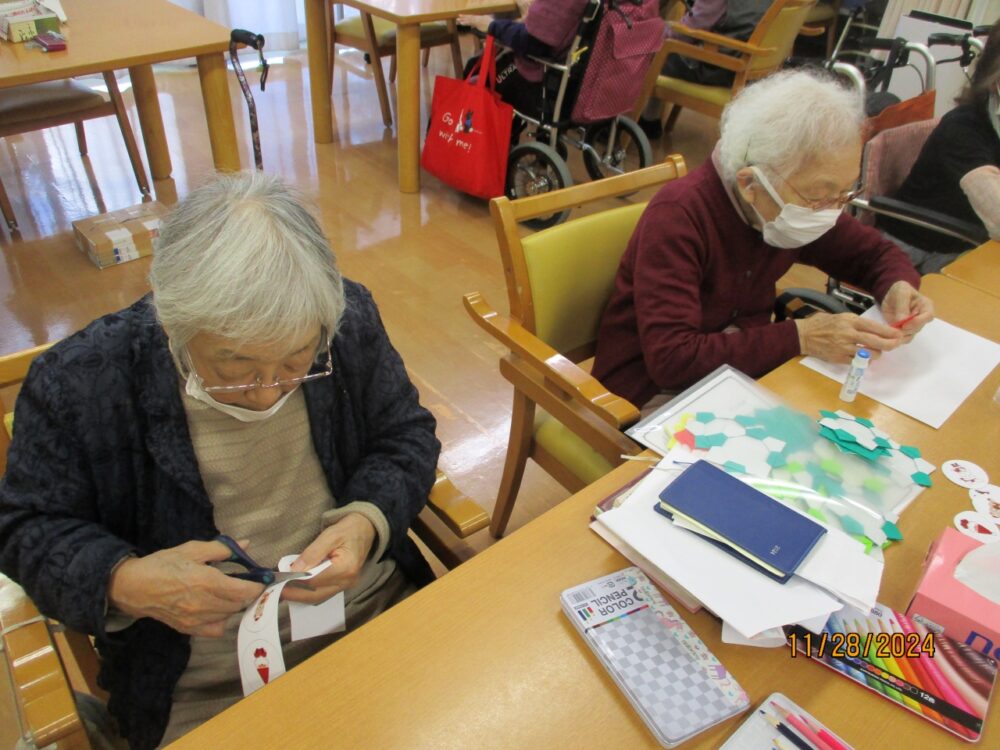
(741, 596)
(928, 378)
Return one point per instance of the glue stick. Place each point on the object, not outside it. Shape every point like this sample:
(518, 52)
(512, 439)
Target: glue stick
(858, 366)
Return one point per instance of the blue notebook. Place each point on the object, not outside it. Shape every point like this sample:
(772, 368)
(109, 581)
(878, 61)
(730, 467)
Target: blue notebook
(749, 525)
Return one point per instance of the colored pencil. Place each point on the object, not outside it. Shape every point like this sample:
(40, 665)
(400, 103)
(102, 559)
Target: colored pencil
(909, 669)
(792, 737)
(801, 727)
(880, 665)
(825, 734)
(889, 664)
(900, 323)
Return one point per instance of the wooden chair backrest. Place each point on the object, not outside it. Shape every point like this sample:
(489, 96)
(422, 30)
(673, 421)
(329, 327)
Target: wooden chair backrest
(13, 370)
(777, 31)
(559, 279)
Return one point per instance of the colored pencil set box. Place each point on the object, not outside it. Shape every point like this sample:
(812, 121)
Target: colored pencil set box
(675, 684)
(936, 677)
(943, 603)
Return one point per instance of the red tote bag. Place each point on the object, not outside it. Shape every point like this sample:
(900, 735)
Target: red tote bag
(468, 141)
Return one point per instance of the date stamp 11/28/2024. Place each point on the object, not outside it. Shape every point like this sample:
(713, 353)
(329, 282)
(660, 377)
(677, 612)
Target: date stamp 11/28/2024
(858, 646)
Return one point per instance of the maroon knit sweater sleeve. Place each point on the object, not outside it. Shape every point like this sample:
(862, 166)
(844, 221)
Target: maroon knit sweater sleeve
(683, 340)
(860, 256)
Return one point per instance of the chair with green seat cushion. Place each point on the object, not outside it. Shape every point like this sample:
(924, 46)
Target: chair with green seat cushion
(376, 37)
(764, 52)
(559, 281)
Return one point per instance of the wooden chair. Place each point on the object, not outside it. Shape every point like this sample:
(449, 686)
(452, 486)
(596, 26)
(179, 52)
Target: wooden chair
(559, 281)
(376, 37)
(45, 105)
(36, 658)
(762, 54)
(822, 19)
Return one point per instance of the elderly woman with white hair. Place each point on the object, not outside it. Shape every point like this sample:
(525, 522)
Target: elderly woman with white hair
(696, 285)
(254, 394)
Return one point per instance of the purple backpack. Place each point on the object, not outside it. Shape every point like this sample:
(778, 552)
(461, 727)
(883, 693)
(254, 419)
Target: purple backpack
(630, 33)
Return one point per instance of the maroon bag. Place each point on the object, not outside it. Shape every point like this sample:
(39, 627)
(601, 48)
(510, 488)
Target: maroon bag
(628, 37)
(468, 141)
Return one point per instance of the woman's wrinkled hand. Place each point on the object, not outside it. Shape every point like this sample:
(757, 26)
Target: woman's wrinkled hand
(903, 301)
(837, 338)
(178, 587)
(346, 544)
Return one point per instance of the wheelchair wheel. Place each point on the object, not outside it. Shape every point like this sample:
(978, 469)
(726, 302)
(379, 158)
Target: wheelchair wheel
(630, 151)
(534, 169)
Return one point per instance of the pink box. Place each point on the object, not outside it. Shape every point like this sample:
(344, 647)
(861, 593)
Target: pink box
(941, 602)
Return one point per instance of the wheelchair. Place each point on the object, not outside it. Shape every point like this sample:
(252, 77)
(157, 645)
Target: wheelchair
(610, 146)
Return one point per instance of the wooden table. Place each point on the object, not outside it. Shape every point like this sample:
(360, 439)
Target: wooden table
(113, 34)
(979, 268)
(484, 657)
(407, 15)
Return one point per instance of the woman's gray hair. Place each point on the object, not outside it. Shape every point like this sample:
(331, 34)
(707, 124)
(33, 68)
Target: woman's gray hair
(242, 258)
(787, 119)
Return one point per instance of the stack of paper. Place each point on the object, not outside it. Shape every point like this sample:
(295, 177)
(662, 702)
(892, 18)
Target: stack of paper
(835, 572)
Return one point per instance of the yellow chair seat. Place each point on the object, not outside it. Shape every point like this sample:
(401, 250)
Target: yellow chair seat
(718, 95)
(385, 31)
(8, 422)
(569, 449)
(43, 100)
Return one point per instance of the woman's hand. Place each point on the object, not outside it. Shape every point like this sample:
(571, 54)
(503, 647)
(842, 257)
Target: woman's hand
(479, 23)
(177, 587)
(902, 301)
(346, 544)
(836, 338)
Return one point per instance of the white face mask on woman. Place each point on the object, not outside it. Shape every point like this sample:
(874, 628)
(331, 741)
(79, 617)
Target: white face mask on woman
(794, 226)
(194, 389)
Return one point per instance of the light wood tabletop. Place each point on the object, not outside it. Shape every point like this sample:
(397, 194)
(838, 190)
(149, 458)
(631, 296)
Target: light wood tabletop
(107, 35)
(979, 268)
(408, 15)
(484, 657)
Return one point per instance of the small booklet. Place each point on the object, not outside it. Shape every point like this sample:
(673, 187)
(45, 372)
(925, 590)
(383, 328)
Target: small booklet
(941, 680)
(774, 721)
(666, 672)
(740, 520)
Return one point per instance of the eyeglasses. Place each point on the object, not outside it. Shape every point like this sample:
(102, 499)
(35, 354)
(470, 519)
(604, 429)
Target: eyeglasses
(326, 372)
(819, 205)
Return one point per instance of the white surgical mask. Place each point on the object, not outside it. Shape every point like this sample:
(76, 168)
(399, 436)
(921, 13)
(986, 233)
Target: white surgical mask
(794, 226)
(194, 389)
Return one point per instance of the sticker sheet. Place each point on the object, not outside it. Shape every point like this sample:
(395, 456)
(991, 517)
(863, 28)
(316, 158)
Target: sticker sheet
(258, 643)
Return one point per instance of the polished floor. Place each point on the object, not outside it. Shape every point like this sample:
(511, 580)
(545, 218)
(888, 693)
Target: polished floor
(417, 253)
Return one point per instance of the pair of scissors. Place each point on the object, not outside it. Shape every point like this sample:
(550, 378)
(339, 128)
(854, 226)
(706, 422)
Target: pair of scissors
(255, 572)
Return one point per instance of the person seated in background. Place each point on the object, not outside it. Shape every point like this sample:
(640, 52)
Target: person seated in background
(256, 394)
(696, 284)
(735, 19)
(958, 170)
(546, 29)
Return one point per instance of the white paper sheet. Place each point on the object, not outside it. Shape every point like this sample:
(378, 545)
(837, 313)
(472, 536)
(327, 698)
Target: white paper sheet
(742, 597)
(929, 377)
(773, 638)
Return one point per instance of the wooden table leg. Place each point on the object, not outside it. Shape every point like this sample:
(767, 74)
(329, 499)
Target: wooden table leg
(219, 111)
(319, 70)
(147, 105)
(408, 106)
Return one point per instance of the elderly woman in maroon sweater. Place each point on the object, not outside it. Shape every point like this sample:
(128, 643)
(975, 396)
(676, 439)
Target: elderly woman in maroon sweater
(696, 284)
